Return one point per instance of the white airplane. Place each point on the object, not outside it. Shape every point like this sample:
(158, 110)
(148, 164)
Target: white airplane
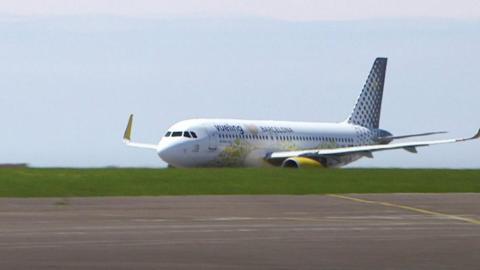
(232, 142)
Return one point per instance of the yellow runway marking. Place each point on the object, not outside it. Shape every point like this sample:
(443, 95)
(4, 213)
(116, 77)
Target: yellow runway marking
(409, 208)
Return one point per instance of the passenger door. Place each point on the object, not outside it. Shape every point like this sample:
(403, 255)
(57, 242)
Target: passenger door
(212, 141)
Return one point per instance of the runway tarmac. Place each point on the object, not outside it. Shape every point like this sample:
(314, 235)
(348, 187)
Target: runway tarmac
(385, 231)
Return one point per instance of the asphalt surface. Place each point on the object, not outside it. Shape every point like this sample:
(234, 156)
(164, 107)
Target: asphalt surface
(388, 231)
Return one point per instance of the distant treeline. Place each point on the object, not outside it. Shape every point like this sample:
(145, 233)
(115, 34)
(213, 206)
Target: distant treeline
(13, 165)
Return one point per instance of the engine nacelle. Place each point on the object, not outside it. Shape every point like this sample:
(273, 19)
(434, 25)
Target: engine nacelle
(301, 162)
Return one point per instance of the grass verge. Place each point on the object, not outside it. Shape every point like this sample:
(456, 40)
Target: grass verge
(29, 182)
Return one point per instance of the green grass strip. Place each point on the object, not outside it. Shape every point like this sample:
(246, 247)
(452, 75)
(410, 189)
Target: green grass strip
(29, 182)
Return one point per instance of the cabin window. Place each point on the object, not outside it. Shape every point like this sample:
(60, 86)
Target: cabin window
(168, 134)
(186, 134)
(177, 134)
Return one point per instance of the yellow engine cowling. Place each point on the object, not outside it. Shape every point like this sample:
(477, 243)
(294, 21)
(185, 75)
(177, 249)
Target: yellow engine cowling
(301, 162)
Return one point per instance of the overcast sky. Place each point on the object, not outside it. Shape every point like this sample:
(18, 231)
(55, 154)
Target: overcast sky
(278, 9)
(72, 72)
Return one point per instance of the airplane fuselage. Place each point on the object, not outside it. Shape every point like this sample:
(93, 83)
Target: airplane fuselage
(232, 142)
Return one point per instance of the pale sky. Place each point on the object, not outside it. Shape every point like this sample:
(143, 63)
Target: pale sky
(296, 10)
(69, 82)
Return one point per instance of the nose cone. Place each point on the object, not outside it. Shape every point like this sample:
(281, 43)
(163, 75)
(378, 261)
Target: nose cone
(174, 153)
(167, 152)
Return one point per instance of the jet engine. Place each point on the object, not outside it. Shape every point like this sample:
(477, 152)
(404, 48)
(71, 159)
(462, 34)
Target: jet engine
(301, 162)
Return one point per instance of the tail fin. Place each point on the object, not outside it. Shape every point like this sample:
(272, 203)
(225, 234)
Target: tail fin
(366, 112)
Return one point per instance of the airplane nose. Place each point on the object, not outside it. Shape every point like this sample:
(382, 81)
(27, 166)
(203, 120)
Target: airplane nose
(166, 152)
(173, 153)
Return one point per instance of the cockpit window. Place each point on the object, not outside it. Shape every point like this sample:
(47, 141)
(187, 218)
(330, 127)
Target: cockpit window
(168, 134)
(194, 135)
(186, 134)
(177, 134)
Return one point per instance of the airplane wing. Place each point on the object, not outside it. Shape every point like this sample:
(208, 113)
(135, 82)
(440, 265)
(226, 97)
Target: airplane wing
(366, 150)
(128, 134)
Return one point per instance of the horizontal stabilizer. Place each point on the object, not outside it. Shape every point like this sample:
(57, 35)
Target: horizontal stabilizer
(390, 138)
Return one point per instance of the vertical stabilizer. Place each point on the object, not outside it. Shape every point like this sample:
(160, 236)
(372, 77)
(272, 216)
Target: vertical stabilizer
(369, 104)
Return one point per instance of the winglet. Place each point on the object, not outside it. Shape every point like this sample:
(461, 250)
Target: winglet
(477, 136)
(128, 131)
(128, 135)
